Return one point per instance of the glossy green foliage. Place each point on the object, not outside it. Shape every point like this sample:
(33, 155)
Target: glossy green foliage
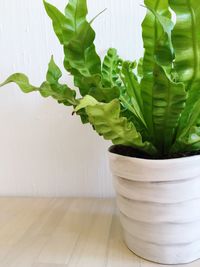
(108, 122)
(77, 37)
(22, 81)
(111, 69)
(152, 105)
(186, 43)
(151, 31)
(50, 88)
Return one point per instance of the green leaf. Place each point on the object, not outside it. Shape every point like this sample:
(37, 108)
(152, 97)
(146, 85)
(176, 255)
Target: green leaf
(61, 92)
(93, 86)
(81, 59)
(107, 122)
(22, 81)
(186, 41)
(189, 111)
(188, 143)
(110, 69)
(85, 102)
(130, 96)
(53, 73)
(105, 94)
(60, 23)
(80, 53)
(132, 85)
(140, 68)
(152, 32)
(85, 84)
(168, 103)
(83, 116)
(75, 12)
(140, 127)
(164, 53)
(166, 96)
(187, 138)
(153, 105)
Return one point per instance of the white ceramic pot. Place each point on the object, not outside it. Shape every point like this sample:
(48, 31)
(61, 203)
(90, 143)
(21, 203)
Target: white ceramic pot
(159, 203)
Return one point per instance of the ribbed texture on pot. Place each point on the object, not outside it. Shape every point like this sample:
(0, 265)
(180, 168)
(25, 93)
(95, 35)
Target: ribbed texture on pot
(159, 203)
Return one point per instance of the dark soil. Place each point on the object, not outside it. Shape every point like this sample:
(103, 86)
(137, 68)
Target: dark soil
(134, 153)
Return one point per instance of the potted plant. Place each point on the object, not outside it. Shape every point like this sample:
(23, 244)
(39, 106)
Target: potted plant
(150, 110)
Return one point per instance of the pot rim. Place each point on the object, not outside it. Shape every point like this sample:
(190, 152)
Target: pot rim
(174, 160)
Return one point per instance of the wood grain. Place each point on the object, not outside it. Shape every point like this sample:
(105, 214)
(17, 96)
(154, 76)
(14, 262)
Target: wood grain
(63, 233)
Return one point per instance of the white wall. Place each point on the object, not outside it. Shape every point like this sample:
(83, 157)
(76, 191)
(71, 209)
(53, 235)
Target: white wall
(44, 151)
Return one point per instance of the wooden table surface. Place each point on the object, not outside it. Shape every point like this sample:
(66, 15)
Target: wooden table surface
(63, 233)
